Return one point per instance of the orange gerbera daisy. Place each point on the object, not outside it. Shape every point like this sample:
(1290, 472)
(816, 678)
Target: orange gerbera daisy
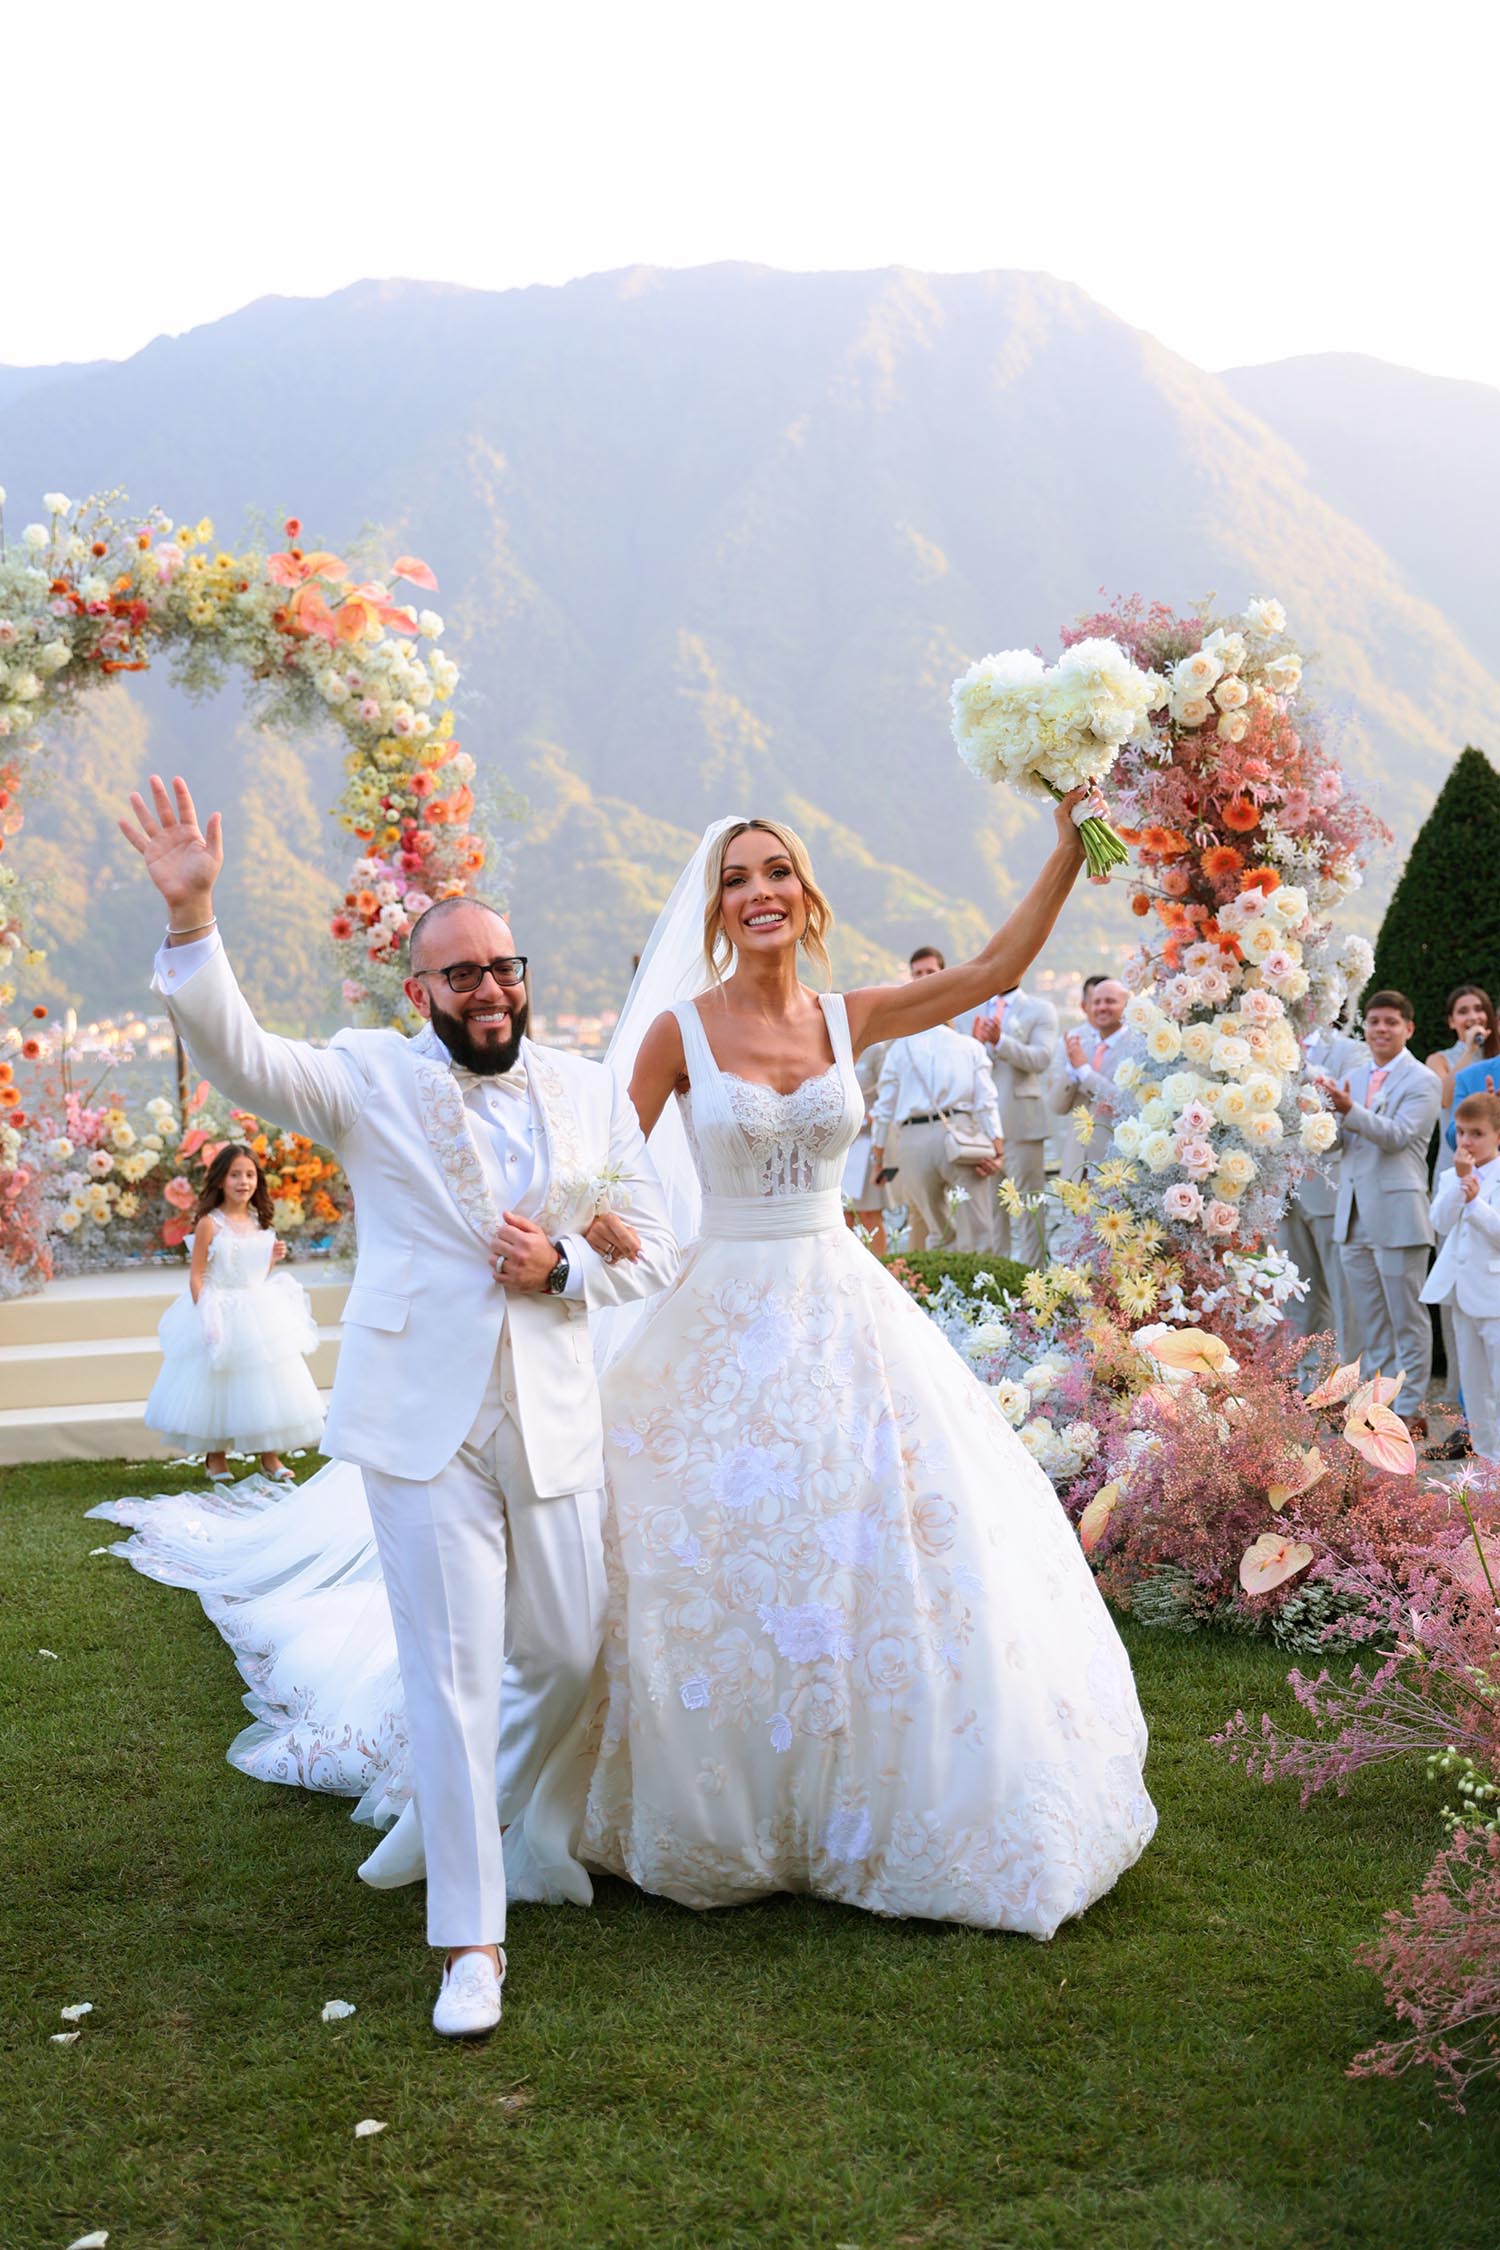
(1241, 814)
(1221, 860)
(366, 904)
(1262, 879)
(1140, 904)
(1156, 839)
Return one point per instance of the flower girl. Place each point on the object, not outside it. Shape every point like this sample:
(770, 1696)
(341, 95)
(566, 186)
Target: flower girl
(234, 1351)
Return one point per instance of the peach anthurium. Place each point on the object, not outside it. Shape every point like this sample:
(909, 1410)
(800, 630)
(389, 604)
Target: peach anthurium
(1096, 1515)
(309, 612)
(1271, 1561)
(295, 570)
(1192, 1350)
(1335, 1388)
(1383, 1439)
(415, 572)
(1311, 1470)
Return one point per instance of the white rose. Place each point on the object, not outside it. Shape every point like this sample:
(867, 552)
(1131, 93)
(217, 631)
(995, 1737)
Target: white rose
(1229, 648)
(430, 625)
(1142, 1013)
(1231, 694)
(1231, 1104)
(1289, 904)
(1267, 618)
(1262, 1092)
(1192, 710)
(1318, 1132)
(1164, 1043)
(1237, 1166)
(35, 535)
(1128, 1136)
(1195, 675)
(1157, 1152)
(1264, 1129)
(1233, 727)
(1283, 676)
(60, 1149)
(1013, 1400)
(53, 655)
(1129, 1074)
(68, 1222)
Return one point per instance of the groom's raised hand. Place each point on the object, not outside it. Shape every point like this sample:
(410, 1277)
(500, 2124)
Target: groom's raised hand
(182, 859)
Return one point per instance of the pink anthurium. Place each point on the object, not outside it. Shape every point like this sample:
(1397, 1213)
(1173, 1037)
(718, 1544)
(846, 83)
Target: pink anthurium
(1378, 1391)
(1383, 1439)
(1096, 1515)
(1271, 1561)
(415, 572)
(1335, 1388)
(1191, 1350)
(1311, 1469)
(309, 612)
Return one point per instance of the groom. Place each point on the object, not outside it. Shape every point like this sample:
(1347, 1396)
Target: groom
(465, 1389)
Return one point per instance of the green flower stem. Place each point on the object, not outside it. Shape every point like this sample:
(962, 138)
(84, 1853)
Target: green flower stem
(1102, 848)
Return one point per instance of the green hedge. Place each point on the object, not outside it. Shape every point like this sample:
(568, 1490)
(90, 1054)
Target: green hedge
(933, 1266)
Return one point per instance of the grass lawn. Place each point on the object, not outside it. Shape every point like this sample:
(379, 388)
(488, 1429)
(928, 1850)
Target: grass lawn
(1169, 2071)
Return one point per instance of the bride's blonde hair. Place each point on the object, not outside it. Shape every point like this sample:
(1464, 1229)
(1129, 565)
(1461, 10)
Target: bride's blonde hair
(718, 953)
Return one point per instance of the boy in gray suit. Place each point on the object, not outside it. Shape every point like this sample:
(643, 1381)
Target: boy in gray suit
(1382, 1223)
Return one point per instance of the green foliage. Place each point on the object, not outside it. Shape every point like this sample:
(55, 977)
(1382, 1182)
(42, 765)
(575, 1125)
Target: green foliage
(963, 1266)
(1442, 926)
(1170, 2069)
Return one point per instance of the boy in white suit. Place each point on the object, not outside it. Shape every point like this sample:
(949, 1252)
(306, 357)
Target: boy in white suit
(1382, 1226)
(1466, 1214)
(465, 1388)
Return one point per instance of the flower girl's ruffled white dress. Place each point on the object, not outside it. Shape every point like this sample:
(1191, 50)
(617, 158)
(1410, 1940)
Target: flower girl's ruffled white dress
(853, 1646)
(234, 1365)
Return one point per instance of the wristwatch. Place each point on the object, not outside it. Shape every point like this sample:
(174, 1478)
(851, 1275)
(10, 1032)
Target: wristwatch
(557, 1279)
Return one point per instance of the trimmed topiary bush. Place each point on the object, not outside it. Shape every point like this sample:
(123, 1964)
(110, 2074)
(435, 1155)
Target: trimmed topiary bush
(930, 1267)
(1442, 926)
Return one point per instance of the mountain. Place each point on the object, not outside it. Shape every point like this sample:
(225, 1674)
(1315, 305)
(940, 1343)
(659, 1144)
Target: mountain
(1414, 459)
(718, 540)
(14, 381)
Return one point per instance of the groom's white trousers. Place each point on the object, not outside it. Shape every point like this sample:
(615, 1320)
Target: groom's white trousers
(486, 1580)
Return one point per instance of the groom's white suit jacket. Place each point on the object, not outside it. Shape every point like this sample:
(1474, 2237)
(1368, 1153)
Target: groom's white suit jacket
(424, 1314)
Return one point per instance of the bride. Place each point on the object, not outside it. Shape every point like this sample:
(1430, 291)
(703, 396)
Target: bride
(853, 1646)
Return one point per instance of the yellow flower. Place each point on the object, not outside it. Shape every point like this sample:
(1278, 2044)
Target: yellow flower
(1037, 1291)
(1137, 1294)
(1150, 1235)
(1112, 1226)
(1115, 1173)
(1008, 1196)
(1075, 1196)
(185, 535)
(205, 530)
(1083, 1124)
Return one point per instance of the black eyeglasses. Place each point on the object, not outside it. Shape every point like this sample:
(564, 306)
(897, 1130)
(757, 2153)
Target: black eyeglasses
(468, 976)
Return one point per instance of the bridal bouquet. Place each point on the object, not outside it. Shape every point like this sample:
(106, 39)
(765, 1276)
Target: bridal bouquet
(1047, 729)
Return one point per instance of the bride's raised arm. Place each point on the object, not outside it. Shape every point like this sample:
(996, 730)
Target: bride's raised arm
(894, 1011)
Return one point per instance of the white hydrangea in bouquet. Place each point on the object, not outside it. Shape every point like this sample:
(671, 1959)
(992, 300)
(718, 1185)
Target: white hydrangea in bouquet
(1048, 729)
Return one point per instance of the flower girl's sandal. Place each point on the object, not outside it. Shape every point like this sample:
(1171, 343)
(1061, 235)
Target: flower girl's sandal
(283, 1475)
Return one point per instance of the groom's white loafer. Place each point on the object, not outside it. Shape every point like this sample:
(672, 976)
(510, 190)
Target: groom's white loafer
(469, 2003)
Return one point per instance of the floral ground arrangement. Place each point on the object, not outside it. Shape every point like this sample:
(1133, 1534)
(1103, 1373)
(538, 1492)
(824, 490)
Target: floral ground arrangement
(88, 594)
(1221, 1474)
(1169, 2069)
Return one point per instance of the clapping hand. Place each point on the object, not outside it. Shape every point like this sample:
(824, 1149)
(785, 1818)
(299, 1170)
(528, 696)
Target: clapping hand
(278, 1252)
(182, 859)
(1077, 1052)
(986, 1030)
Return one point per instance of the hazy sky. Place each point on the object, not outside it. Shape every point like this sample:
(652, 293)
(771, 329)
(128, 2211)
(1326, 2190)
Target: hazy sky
(1244, 181)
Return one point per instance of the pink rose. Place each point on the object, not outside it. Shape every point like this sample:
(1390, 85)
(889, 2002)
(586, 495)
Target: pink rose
(1182, 1201)
(180, 1193)
(1198, 1160)
(1221, 1218)
(1195, 1119)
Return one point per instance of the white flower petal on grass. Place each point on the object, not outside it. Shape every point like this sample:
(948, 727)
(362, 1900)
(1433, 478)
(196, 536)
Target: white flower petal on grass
(50, 1654)
(78, 2009)
(367, 2127)
(94, 2241)
(334, 2011)
(64, 2038)
(101, 1550)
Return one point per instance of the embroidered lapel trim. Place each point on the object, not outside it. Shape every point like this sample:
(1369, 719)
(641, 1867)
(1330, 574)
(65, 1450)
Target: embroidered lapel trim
(445, 1121)
(567, 1178)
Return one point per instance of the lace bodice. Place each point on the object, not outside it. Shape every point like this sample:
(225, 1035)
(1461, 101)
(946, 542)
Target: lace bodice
(747, 1139)
(239, 1261)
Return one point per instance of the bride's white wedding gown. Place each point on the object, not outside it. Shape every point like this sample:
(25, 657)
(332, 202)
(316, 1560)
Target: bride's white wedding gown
(853, 1646)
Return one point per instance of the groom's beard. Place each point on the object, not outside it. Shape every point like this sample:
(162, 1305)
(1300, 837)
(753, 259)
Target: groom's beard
(483, 1053)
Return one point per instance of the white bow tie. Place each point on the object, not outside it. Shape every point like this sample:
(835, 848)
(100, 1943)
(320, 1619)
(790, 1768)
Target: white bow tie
(513, 1081)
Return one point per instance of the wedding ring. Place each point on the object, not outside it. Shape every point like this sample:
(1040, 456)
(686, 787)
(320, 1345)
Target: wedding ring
(499, 1264)
(610, 1255)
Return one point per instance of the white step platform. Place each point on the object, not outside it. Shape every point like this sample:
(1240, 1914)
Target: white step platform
(78, 1360)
